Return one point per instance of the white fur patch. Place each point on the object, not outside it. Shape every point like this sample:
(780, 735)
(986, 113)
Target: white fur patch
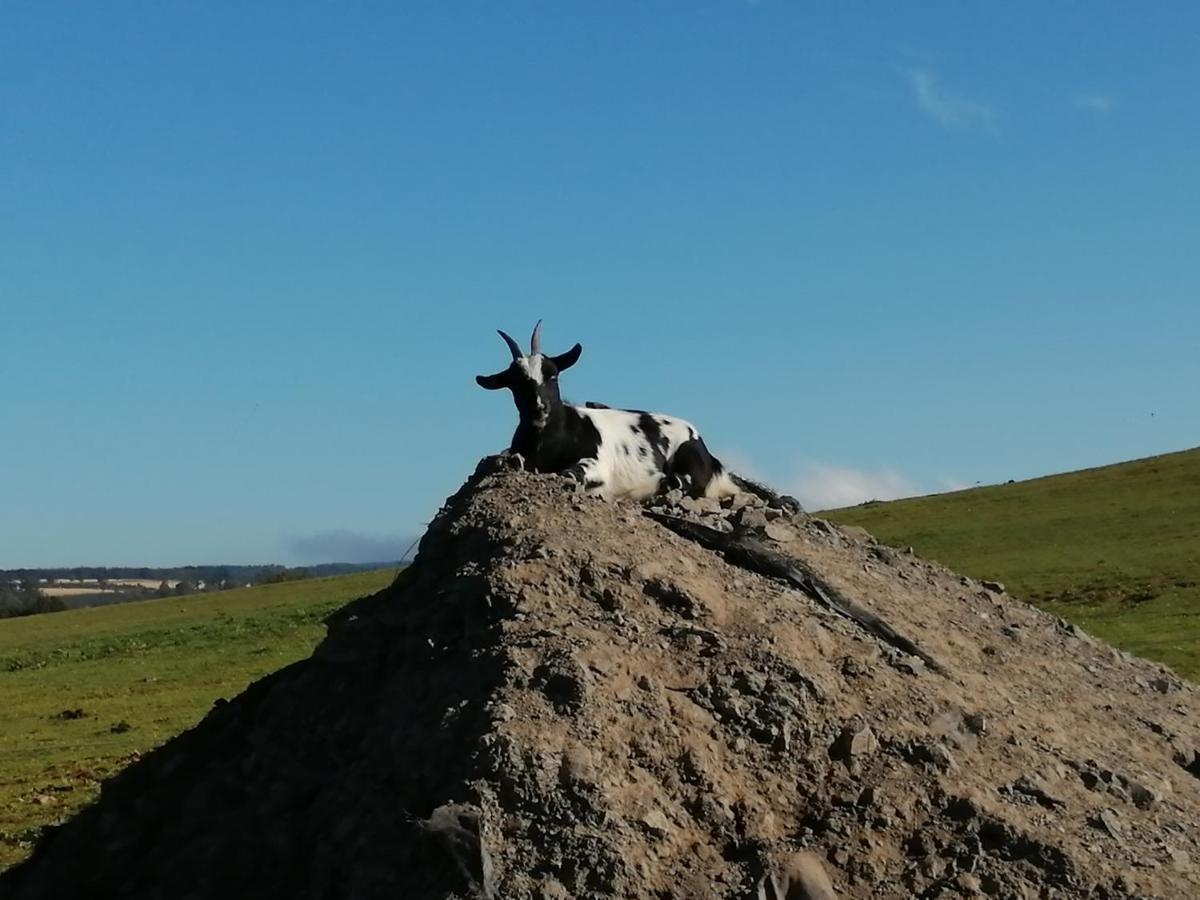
(532, 367)
(634, 474)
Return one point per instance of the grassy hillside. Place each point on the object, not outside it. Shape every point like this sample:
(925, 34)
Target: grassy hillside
(1114, 549)
(84, 692)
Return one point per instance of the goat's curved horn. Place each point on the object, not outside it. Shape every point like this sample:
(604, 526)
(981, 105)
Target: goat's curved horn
(512, 345)
(535, 342)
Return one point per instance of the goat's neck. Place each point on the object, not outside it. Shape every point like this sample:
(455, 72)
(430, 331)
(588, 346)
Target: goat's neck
(535, 431)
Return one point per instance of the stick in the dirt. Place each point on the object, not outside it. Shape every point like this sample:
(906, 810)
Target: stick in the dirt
(764, 493)
(745, 551)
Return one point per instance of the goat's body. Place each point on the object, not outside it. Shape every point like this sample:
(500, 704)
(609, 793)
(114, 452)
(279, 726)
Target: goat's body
(623, 453)
(612, 452)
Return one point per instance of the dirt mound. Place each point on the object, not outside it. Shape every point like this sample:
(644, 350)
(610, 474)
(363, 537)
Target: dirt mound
(566, 698)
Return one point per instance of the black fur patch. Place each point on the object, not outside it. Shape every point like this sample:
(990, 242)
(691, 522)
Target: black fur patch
(695, 467)
(567, 438)
(656, 439)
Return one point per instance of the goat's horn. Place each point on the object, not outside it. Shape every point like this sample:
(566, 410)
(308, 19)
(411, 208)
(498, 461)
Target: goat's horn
(535, 342)
(512, 345)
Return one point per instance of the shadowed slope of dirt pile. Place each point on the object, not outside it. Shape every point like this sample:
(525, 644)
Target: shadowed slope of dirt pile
(562, 698)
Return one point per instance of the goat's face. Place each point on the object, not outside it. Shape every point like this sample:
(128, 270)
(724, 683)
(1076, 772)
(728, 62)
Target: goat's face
(532, 378)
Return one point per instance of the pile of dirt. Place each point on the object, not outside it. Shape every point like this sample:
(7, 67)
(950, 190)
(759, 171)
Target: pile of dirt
(565, 697)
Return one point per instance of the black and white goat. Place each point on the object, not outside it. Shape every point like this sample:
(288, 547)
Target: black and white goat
(612, 452)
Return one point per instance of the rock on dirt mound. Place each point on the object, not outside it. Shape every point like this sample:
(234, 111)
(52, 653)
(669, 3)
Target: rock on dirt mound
(565, 698)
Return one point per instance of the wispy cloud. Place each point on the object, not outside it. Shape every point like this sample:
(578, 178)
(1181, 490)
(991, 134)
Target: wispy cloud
(1094, 103)
(347, 546)
(946, 107)
(820, 486)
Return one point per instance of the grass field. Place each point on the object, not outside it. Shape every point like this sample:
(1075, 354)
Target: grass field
(1115, 549)
(83, 692)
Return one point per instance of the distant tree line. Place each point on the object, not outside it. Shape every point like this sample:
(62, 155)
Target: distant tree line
(20, 594)
(24, 598)
(241, 575)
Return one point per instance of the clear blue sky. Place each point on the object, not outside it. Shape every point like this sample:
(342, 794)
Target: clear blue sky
(253, 254)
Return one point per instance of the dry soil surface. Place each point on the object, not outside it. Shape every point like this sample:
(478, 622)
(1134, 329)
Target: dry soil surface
(563, 698)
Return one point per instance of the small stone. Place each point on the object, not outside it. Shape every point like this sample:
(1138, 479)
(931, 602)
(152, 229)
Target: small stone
(1107, 820)
(646, 683)
(577, 766)
(976, 724)
(1076, 632)
(1037, 789)
(609, 600)
(933, 754)
(1142, 796)
(996, 587)
(783, 740)
(656, 823)
(854, 742)
(1179, 860)
(858, 534)
(779, 533)
(749, 517)
(804, 878)
(913, 665)
(969, 883)
(1162, 685)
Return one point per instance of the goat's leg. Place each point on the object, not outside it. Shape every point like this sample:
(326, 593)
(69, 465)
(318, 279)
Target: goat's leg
(587, 473)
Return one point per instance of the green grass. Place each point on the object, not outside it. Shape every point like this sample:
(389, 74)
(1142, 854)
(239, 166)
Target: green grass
(140, 673)
(1114, 549)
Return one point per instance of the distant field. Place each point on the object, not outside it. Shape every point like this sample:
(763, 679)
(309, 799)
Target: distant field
(1114, 549)
(56, 591)
(83, 692)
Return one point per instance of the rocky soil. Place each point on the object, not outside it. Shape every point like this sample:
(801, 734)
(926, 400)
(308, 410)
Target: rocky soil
(563, 698)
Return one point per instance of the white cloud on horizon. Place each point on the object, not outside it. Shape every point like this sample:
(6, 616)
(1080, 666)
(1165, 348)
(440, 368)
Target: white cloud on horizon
(946, 107)
(1095, 103)
(819, 486)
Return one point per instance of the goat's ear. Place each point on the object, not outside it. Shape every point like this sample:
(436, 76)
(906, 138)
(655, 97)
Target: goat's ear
(493, 382)
(568, 359)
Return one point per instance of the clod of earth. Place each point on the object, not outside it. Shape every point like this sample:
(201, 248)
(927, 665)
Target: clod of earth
(571, 698)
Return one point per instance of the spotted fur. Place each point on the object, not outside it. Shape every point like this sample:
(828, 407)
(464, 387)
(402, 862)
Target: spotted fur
(612, 452)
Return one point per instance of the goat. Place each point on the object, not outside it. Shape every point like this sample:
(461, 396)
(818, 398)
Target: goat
(612, 452)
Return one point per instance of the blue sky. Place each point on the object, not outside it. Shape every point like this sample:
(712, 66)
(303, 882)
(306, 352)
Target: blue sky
(252, 255)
